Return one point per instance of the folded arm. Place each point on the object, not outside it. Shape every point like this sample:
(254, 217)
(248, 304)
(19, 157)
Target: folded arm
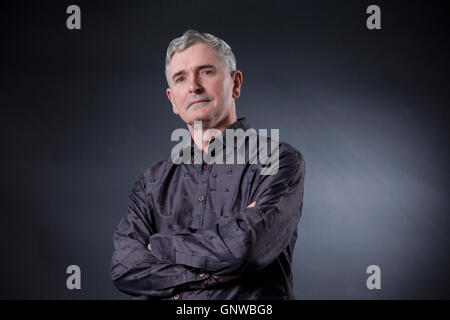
(256, 235)
(134, 268)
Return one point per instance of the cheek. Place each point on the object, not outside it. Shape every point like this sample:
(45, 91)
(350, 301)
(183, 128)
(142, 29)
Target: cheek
(222, 90)
(178, 100)
(228, 85)
(227, 91)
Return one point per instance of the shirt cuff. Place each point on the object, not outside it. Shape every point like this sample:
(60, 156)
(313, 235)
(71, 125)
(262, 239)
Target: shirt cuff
(162, 247)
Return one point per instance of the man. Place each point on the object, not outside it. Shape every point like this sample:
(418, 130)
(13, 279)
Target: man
(209, 231)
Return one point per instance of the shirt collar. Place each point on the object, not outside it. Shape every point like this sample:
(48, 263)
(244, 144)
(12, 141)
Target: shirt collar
(240, 123)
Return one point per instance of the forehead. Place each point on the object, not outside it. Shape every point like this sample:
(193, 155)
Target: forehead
(194, 56)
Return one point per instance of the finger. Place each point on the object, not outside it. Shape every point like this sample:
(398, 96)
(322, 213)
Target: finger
(253, 204)
(149, 247)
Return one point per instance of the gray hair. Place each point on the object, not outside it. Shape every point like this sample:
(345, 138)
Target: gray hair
(191, 37)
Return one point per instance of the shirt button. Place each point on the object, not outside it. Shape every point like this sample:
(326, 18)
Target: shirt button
(176, 297)
(201, 198)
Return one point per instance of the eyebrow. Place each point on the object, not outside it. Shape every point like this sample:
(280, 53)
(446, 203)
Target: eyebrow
(205, 66)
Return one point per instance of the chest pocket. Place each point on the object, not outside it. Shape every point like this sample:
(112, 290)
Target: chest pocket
(172, 207)
(232, 192)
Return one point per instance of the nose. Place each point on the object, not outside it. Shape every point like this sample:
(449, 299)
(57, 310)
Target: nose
(194, 85)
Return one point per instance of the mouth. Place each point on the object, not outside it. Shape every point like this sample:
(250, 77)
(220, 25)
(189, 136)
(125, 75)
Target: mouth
(196, 102)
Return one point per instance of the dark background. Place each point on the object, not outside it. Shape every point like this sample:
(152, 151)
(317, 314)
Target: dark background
(84, 112)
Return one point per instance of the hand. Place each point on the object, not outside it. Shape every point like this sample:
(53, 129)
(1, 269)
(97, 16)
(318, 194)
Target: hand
(149, 247)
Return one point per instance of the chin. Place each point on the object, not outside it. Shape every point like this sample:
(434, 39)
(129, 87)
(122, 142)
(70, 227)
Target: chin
(201, 115)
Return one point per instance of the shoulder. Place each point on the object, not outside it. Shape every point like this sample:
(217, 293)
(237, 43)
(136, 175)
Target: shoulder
(277, 158)
(288, 151)
(154, 172)
(287, 154)
(286, 148)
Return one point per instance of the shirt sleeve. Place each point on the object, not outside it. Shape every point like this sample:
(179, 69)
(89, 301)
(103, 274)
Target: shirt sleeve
(134, 269)
(255, 237)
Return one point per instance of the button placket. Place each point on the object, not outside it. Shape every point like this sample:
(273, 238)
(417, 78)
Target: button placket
(197, 214)
(205, 174)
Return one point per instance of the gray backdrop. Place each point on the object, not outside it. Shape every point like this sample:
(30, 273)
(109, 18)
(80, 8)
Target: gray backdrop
(83, 113)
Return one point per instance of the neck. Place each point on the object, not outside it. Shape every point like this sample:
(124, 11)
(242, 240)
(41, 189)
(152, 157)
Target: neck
(204, 133)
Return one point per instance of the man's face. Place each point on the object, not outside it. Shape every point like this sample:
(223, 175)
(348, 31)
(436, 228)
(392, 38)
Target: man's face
(201, 87)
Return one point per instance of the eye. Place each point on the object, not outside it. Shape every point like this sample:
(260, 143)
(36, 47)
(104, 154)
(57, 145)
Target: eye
(179, 79)
(208, 72)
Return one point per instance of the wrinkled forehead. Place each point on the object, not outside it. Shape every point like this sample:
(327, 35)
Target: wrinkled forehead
(196, 55)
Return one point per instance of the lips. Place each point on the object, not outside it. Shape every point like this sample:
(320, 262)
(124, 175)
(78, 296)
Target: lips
(197, 101)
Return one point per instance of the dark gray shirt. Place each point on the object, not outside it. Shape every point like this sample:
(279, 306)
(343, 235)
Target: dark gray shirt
(197, 219)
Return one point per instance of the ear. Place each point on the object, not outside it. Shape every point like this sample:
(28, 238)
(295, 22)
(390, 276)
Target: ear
(169, 95)
(237, 83)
